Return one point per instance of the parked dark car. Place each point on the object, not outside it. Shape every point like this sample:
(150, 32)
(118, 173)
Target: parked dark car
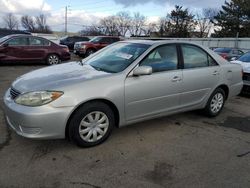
(27, 48)
(229, 53)
(70, 41)
(95, 44)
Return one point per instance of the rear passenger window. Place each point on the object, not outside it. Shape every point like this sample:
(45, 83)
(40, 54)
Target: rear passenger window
(162, 58)
(38, 42)
(195, 57)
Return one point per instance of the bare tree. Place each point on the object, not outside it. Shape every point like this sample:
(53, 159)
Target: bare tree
(42, 26)
(91, 31)
(204, 21)
(109, 25)
(149, 28)
(10, 21)
(138, 21)
(123, 21)
(28, 23)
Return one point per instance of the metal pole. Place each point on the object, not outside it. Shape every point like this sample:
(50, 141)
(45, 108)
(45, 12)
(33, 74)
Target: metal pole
(237, 40)
(66, 20)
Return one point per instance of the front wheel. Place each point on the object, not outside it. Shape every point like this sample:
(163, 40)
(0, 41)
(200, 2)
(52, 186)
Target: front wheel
(89, 52)
(215, 103)
(91, 124)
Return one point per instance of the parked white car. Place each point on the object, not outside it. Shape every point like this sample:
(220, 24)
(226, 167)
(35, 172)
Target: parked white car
(244, 61)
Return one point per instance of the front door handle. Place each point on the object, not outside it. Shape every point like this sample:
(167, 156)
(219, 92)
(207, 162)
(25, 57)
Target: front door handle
(176, 79)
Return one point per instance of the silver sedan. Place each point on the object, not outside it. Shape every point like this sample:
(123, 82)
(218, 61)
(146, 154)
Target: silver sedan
(124, 83)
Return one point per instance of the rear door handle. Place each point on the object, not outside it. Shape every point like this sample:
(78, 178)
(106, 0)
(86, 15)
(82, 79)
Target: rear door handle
(176, 79)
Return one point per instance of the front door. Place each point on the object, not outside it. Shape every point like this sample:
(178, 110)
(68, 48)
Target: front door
(159, 92)
(16, 49)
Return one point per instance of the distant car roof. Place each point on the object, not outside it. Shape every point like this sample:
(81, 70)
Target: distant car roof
(223, 50)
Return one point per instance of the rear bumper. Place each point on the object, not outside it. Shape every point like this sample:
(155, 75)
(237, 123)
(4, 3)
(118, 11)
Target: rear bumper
(235, 89)
(65, 56)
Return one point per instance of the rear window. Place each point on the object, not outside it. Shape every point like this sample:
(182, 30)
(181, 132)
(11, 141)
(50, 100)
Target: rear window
(223, 50)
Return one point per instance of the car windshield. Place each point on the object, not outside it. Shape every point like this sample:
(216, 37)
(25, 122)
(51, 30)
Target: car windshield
(245, 58)
(4, 39)
(95, 39)
(117, 57)
(222, 50)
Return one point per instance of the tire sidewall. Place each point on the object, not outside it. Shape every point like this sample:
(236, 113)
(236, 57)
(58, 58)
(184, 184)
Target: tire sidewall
(80, 114)
(208, 106)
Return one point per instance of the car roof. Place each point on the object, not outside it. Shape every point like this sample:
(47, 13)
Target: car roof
(160, 42)
(17, 35)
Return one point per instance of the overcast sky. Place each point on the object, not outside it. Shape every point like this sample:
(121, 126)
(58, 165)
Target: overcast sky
(88, 12)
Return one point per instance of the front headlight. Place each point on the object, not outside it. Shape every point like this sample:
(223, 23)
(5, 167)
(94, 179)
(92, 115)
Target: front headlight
(38, 98)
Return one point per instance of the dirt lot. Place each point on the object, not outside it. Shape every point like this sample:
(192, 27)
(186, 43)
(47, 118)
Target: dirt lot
(184, 150)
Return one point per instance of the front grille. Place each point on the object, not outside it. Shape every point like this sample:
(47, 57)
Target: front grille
(14, 93)
(246, 76)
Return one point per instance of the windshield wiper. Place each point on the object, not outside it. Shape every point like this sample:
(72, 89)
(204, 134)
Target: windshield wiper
(102, 69)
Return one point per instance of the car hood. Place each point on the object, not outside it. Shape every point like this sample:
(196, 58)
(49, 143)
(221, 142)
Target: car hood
(84, 43)
(245, 65)
(56, 77)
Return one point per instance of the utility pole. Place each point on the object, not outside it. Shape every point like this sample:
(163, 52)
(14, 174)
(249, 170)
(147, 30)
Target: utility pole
(66, 20)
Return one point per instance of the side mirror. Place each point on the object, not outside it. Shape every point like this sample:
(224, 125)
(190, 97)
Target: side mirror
(5, 45)
(142, 70)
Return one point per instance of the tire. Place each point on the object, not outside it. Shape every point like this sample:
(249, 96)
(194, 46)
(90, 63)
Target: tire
(53, 59)
(85, 131)
(89, 52)
(215, 103)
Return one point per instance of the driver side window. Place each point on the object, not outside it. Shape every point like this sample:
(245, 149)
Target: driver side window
(162, 58)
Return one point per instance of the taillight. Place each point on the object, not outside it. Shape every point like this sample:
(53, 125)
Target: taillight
(66, 49)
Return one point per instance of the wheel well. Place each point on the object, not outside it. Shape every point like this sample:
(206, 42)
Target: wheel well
(91, 48)
(107, 102)
(225, 89)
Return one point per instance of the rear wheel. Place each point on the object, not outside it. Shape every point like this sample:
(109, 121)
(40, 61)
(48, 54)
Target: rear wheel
(91, 124)
(53, 59)
(215, 103)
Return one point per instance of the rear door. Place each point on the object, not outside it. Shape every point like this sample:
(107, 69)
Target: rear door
(37, 48)
(159, 92)
(200, 75)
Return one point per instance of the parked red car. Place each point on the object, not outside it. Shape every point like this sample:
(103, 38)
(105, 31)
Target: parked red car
(27, 48)
(95, 44)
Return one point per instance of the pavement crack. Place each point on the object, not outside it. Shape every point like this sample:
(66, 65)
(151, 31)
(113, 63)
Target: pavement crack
(84, 183)
(8, 138)
(243, 154)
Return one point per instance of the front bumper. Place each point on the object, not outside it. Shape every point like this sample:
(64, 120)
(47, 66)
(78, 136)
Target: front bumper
(246, 86)
(79, 51)
(43, 122)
